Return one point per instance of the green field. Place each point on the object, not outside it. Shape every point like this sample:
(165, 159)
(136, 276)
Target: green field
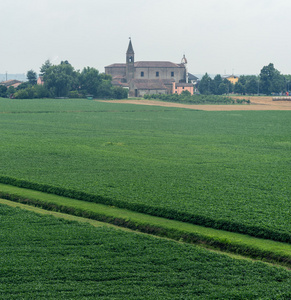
(47, 258)
(226, 170)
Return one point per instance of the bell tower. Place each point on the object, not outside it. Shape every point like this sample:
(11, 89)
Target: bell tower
(129, 62)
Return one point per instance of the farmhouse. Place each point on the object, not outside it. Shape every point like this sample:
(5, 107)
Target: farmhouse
(12, 82)
(232, 78)
(150, 77)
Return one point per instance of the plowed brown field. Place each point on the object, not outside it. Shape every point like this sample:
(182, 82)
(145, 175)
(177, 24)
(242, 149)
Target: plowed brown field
(257, 103)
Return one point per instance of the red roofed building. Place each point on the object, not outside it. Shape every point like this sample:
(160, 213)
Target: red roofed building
(12, 82)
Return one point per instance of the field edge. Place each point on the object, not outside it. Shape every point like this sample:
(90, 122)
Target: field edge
(168, 213)
(265, 250)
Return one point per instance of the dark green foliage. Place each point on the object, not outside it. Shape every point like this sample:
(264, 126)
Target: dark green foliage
(216, 86)
(31, 92)
(119, 93)
(206, 85)
(23, 86)
(196, 99)
(47, 258)
(31, 77)
(226, 170)
(60, 79)
(90, 81)
(271, 81)
(64, 81)
(11, 91)
(3, 91)
(47, 64)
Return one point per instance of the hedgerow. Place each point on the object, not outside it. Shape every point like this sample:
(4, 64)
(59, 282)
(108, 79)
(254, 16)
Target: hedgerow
(197, 219)
(196, 99)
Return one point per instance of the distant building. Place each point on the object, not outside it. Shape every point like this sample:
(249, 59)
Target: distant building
(232, 78)
(148, 77)
(13, 82)
(179, 88)
(40, 80)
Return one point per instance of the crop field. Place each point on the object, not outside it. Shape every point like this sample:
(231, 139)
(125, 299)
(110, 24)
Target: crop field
(226, 170)
(43, 257)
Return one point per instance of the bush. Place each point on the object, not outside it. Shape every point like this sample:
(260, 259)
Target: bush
(37, 91)
(186, 97)
(3, 91)
(74, 94)
(120, 93)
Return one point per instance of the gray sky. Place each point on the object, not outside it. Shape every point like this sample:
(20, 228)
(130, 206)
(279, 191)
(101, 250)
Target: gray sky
(217, 36)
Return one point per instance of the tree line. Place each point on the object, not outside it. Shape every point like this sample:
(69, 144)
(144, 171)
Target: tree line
(60, 81)
(269, 81)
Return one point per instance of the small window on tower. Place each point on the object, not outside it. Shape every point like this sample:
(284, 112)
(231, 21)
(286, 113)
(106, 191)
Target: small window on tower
(141, 74)
(157, 74)
(130, 59)
(172, 74)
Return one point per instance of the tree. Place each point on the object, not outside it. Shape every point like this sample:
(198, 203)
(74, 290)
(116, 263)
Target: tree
(252, 86)
(217, 81)
(120, 92)
(105, 89)
(32, 77)
(47, 64)
(239, 88)
(10, 91)
(222, 89)
(3, 91)
(90, 81)
(229, 86)
(23, 85)
(271, 81)
(205, 85)
(60, 79)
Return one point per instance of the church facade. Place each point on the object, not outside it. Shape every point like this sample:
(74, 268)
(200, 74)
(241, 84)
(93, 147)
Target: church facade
(149, 77)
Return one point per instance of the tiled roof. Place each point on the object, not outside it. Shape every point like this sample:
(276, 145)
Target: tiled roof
(116, 66)
(157, 64)
(181, 84)
(192, 77)
(119, 83)
(118, 77)
(11, 82)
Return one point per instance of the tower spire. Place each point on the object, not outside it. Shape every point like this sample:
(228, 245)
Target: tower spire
(130, 48)
(129, 62)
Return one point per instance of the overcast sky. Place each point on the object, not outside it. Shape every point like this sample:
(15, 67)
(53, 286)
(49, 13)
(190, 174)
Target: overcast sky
(217, 36)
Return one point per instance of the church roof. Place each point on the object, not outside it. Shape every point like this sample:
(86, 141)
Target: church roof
(116, 66)
(157, 64)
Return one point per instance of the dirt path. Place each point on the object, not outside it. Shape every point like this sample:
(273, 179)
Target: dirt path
(257, 103)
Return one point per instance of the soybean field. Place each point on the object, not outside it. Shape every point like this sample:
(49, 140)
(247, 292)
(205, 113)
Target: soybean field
(43, 257)
(226, 170)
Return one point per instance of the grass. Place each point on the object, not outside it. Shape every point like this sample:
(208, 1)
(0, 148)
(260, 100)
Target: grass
(231, 169)
(49, 258)
(246, 245)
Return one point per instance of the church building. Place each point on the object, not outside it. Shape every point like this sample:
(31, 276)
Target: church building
(150, 77)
